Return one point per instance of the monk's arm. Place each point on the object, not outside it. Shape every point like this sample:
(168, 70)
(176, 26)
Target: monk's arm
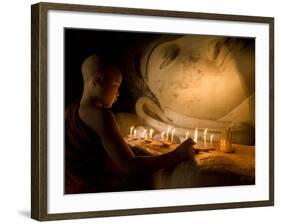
(120, 152)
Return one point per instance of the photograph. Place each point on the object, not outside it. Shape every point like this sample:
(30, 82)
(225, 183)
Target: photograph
(141, 111)
(150, 111)
(135, 111)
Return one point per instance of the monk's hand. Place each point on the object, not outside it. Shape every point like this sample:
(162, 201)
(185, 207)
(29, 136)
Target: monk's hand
(185, 150)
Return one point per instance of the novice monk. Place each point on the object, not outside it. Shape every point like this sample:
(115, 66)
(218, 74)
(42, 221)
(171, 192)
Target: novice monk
(97, 159)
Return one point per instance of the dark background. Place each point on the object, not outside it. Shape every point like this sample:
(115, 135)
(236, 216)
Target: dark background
(116, 46)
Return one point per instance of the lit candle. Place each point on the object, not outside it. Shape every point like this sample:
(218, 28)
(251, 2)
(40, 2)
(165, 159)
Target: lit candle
(211, 140)
(195, 135)
(167, 136)
(187, 135)
(205, 140)
(162, 135)
(135, 133)
(131, 131)
(173, 131)
(150, 133)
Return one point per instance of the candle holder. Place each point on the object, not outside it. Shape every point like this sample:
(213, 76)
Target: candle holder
(148, 140)
(166, 143)
(201, 146)
(132, 138)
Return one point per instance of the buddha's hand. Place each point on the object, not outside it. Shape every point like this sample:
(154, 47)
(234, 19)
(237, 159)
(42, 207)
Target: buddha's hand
(185, 150)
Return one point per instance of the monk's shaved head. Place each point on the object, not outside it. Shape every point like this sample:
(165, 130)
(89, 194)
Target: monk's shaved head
(96, 64)
(90, 66)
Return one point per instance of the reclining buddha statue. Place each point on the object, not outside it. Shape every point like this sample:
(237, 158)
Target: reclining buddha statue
(195, 81)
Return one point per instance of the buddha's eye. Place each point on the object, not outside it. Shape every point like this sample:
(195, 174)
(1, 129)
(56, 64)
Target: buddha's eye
(170, 54)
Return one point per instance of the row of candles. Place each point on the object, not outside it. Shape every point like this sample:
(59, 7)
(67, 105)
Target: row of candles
(146, 135)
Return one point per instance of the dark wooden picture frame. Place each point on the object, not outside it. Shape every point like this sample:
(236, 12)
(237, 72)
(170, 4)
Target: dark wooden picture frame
(39, 106)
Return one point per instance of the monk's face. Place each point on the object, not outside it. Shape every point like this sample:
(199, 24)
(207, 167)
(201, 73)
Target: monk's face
(110, 84)
(202, 76)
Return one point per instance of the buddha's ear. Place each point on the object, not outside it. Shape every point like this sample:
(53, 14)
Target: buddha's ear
(97, 78)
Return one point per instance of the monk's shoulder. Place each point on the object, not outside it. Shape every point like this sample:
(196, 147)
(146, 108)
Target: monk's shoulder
(96, 117)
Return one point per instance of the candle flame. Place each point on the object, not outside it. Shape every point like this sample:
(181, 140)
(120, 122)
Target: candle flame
(162, 135)
(168, 130)
(131, 130)
(195, 135)
(187, 135)
(205, 132)
(211, 140)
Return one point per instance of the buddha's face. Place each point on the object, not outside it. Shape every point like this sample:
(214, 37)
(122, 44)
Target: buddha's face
(202, 76)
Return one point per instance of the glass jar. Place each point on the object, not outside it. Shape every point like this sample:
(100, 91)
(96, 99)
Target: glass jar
(225, 141)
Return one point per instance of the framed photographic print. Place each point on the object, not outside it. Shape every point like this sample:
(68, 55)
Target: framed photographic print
(138, 111)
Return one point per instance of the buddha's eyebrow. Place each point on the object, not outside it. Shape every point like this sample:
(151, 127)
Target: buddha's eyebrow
(170, 54)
